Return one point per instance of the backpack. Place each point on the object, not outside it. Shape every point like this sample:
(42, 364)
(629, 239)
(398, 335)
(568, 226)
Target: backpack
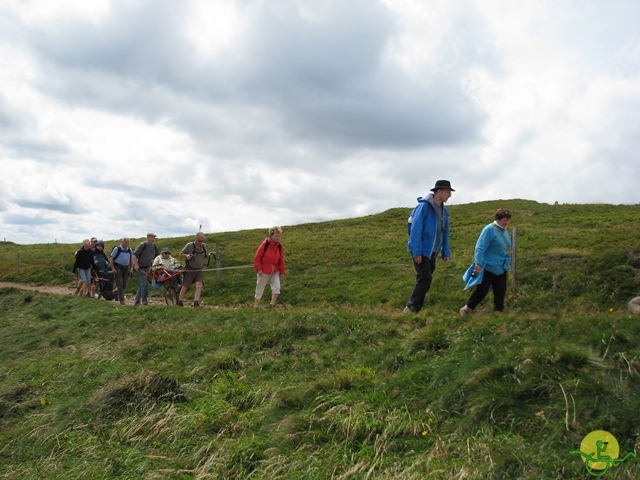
(204, 249)
(144, 247)
(412, 215)
(120, 250)
(266, 247)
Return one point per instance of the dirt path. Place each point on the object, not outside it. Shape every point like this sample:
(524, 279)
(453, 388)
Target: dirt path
(65, 290)
(58, 290)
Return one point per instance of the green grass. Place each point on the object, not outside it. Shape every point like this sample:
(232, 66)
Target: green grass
(336, 382)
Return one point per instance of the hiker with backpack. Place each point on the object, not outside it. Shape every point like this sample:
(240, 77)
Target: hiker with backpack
(194, 254)
(143, 257)
(491, 262)
(428, 229)
(121, 262)
(269, 263)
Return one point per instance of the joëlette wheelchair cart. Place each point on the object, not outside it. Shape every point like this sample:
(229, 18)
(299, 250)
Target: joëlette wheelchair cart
(169, 283)
(102, 283)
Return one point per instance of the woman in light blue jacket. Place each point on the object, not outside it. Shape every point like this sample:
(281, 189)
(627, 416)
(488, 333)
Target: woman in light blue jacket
(492, 260)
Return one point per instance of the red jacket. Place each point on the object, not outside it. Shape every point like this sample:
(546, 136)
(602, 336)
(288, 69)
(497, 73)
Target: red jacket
(269, 257)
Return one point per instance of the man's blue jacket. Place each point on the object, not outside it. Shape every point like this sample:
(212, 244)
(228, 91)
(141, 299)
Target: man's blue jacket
(424, 228)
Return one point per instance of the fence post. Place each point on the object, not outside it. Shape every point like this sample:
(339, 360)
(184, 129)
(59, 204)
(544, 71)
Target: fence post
(218, 263)
(514, 262)
(18, 263)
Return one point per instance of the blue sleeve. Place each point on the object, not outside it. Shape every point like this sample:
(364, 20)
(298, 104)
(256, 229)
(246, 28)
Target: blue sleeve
(446, 251)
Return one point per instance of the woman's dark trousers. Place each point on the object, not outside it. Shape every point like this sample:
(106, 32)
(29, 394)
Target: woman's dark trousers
(489, 280)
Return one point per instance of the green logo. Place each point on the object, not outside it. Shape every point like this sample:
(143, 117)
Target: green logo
(599, 451)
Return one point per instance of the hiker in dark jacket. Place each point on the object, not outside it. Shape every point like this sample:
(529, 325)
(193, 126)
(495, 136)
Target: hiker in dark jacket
(83, 265)
(269, 263)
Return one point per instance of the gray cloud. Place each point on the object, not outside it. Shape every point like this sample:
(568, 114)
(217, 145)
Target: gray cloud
(69, 206)
(315, 110)
(325, 79)
(25, 220)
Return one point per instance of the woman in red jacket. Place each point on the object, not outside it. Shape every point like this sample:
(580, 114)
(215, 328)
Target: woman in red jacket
(269, 263)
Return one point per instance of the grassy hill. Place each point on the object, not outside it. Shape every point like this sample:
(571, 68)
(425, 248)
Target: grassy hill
(336, 382)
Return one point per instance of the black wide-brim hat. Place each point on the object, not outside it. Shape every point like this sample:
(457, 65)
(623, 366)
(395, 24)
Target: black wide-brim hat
(443, 184)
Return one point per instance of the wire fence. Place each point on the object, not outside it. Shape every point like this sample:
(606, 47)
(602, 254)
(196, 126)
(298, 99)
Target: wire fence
(26, 267)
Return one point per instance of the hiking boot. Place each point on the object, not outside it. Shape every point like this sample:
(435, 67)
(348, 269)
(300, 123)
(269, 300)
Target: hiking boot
(409, 309)
(196, 303)
(271, 305)
(121, 302)
(179, 303)
(464, 311)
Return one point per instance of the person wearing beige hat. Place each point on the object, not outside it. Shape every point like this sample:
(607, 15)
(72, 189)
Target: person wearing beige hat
(166, 263)
(143, 257)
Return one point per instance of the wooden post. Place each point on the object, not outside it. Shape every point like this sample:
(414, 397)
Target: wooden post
(555, 284)
(18, 263)
(514, 280)
(218, 263)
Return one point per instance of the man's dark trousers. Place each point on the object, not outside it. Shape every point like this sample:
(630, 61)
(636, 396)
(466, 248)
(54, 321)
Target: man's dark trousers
(424, 274)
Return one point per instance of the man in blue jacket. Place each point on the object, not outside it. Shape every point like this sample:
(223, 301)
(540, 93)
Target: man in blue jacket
(428, 236)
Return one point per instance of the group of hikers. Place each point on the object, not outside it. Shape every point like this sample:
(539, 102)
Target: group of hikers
(98, 271)
(428, 229)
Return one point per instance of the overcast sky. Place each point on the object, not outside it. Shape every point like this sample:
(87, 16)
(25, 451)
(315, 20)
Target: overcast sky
(119, 117)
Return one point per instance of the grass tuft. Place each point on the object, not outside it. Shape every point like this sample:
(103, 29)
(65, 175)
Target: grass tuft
(131, 394)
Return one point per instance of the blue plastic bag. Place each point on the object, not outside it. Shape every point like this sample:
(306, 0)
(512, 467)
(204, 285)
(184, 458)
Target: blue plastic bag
(472, 281)
(155, 285)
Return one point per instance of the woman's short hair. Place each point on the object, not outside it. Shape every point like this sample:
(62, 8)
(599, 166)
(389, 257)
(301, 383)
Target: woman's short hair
(502, 213)
(274, 230)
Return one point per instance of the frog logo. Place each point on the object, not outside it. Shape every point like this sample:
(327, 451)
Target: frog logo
(599, 451)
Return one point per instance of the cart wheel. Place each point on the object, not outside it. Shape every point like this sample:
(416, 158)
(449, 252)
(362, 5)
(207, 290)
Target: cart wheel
(170, 295)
